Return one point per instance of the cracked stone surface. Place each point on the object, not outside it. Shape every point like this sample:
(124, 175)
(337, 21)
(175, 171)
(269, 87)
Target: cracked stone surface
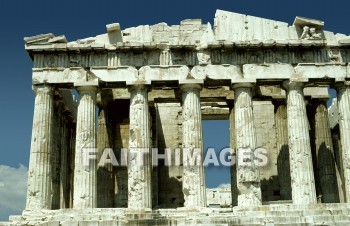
(248, 178)
(85, 176)
(40, 175)
(301, 168)
(139, 159)
(193, 175)
(344, 127)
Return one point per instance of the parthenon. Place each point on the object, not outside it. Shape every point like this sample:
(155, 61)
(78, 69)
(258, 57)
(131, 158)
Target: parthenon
(151, 87)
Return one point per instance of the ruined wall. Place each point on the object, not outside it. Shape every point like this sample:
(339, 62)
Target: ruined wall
(219, 196)
(264, 121)
(120, 111)
(169, 134)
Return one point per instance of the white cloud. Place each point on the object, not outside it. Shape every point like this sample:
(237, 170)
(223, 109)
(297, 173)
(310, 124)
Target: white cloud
(224, 186)
(13, 188)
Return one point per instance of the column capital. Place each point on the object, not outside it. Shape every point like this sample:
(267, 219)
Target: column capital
(43, 89)
(87, 89)
(242, 85)
(138, 85)
(319, 101)
(292, 84)
(341, 85)
(191, 84)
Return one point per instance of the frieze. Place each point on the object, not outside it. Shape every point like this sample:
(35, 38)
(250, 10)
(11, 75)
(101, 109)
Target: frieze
(193, 57)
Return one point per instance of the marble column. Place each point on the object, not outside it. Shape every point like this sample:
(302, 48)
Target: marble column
(85, 171)
(71, 162)
(233, 168)
(193, 183)
(56, 152)
(105, 176)
(39, 193)
(344, 128)
(248, 173)
(139, 153)
(283, 165)
(301, 168)
(325, 160)
(64, 166)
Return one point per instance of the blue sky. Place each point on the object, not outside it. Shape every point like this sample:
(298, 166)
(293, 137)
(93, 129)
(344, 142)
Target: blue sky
(80, 19)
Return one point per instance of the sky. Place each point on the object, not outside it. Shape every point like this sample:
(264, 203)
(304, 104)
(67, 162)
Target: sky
(80, 19)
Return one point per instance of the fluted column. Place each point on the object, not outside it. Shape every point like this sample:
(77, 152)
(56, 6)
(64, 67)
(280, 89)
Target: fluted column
(105, 177)
(139, 155)
(193, 183)
(283, 165)
(301, 168)
(85, 174)
(233, 168)
(56, 152)
(64, 166)
(344, 128)
(325, 155)
(248, 173)
(39, 191)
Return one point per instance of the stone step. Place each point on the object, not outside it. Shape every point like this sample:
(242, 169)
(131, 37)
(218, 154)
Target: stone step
(294, 213)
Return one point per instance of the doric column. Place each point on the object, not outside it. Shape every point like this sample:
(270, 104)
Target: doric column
(39, 179)
(248, 174)
(56, 151)
(64, 166)
(85, 171)
(105, 176)
(233, 168)
(344, 128)
(283, 151)
(301, 168)
(71, 162)
(325, 155)
(193, 183)
(139, 154)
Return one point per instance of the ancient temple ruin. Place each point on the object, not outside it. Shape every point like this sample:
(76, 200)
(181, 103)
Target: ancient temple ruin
(151, 87)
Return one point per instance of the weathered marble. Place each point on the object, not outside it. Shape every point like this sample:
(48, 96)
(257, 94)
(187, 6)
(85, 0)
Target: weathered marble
(301, 168)
(139, 159)
(248, 178)
(283, 162)
(325, 155)
(66, 138)
(344, 128)
(85, 175)
(233, 168)
(39, 195)
(155, 84)
(105, 173)
(193, 183)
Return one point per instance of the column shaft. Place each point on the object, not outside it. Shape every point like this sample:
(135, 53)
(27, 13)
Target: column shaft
(105, 176)
(283, 165)
(56, 153)
(193, 172)
(71, 161)
(325, 156)
(233, 168)
(248, 178)
(85, 172)
(39, 192)
(64, 168)
(344, 128)
(302, 173)
(139, 155)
